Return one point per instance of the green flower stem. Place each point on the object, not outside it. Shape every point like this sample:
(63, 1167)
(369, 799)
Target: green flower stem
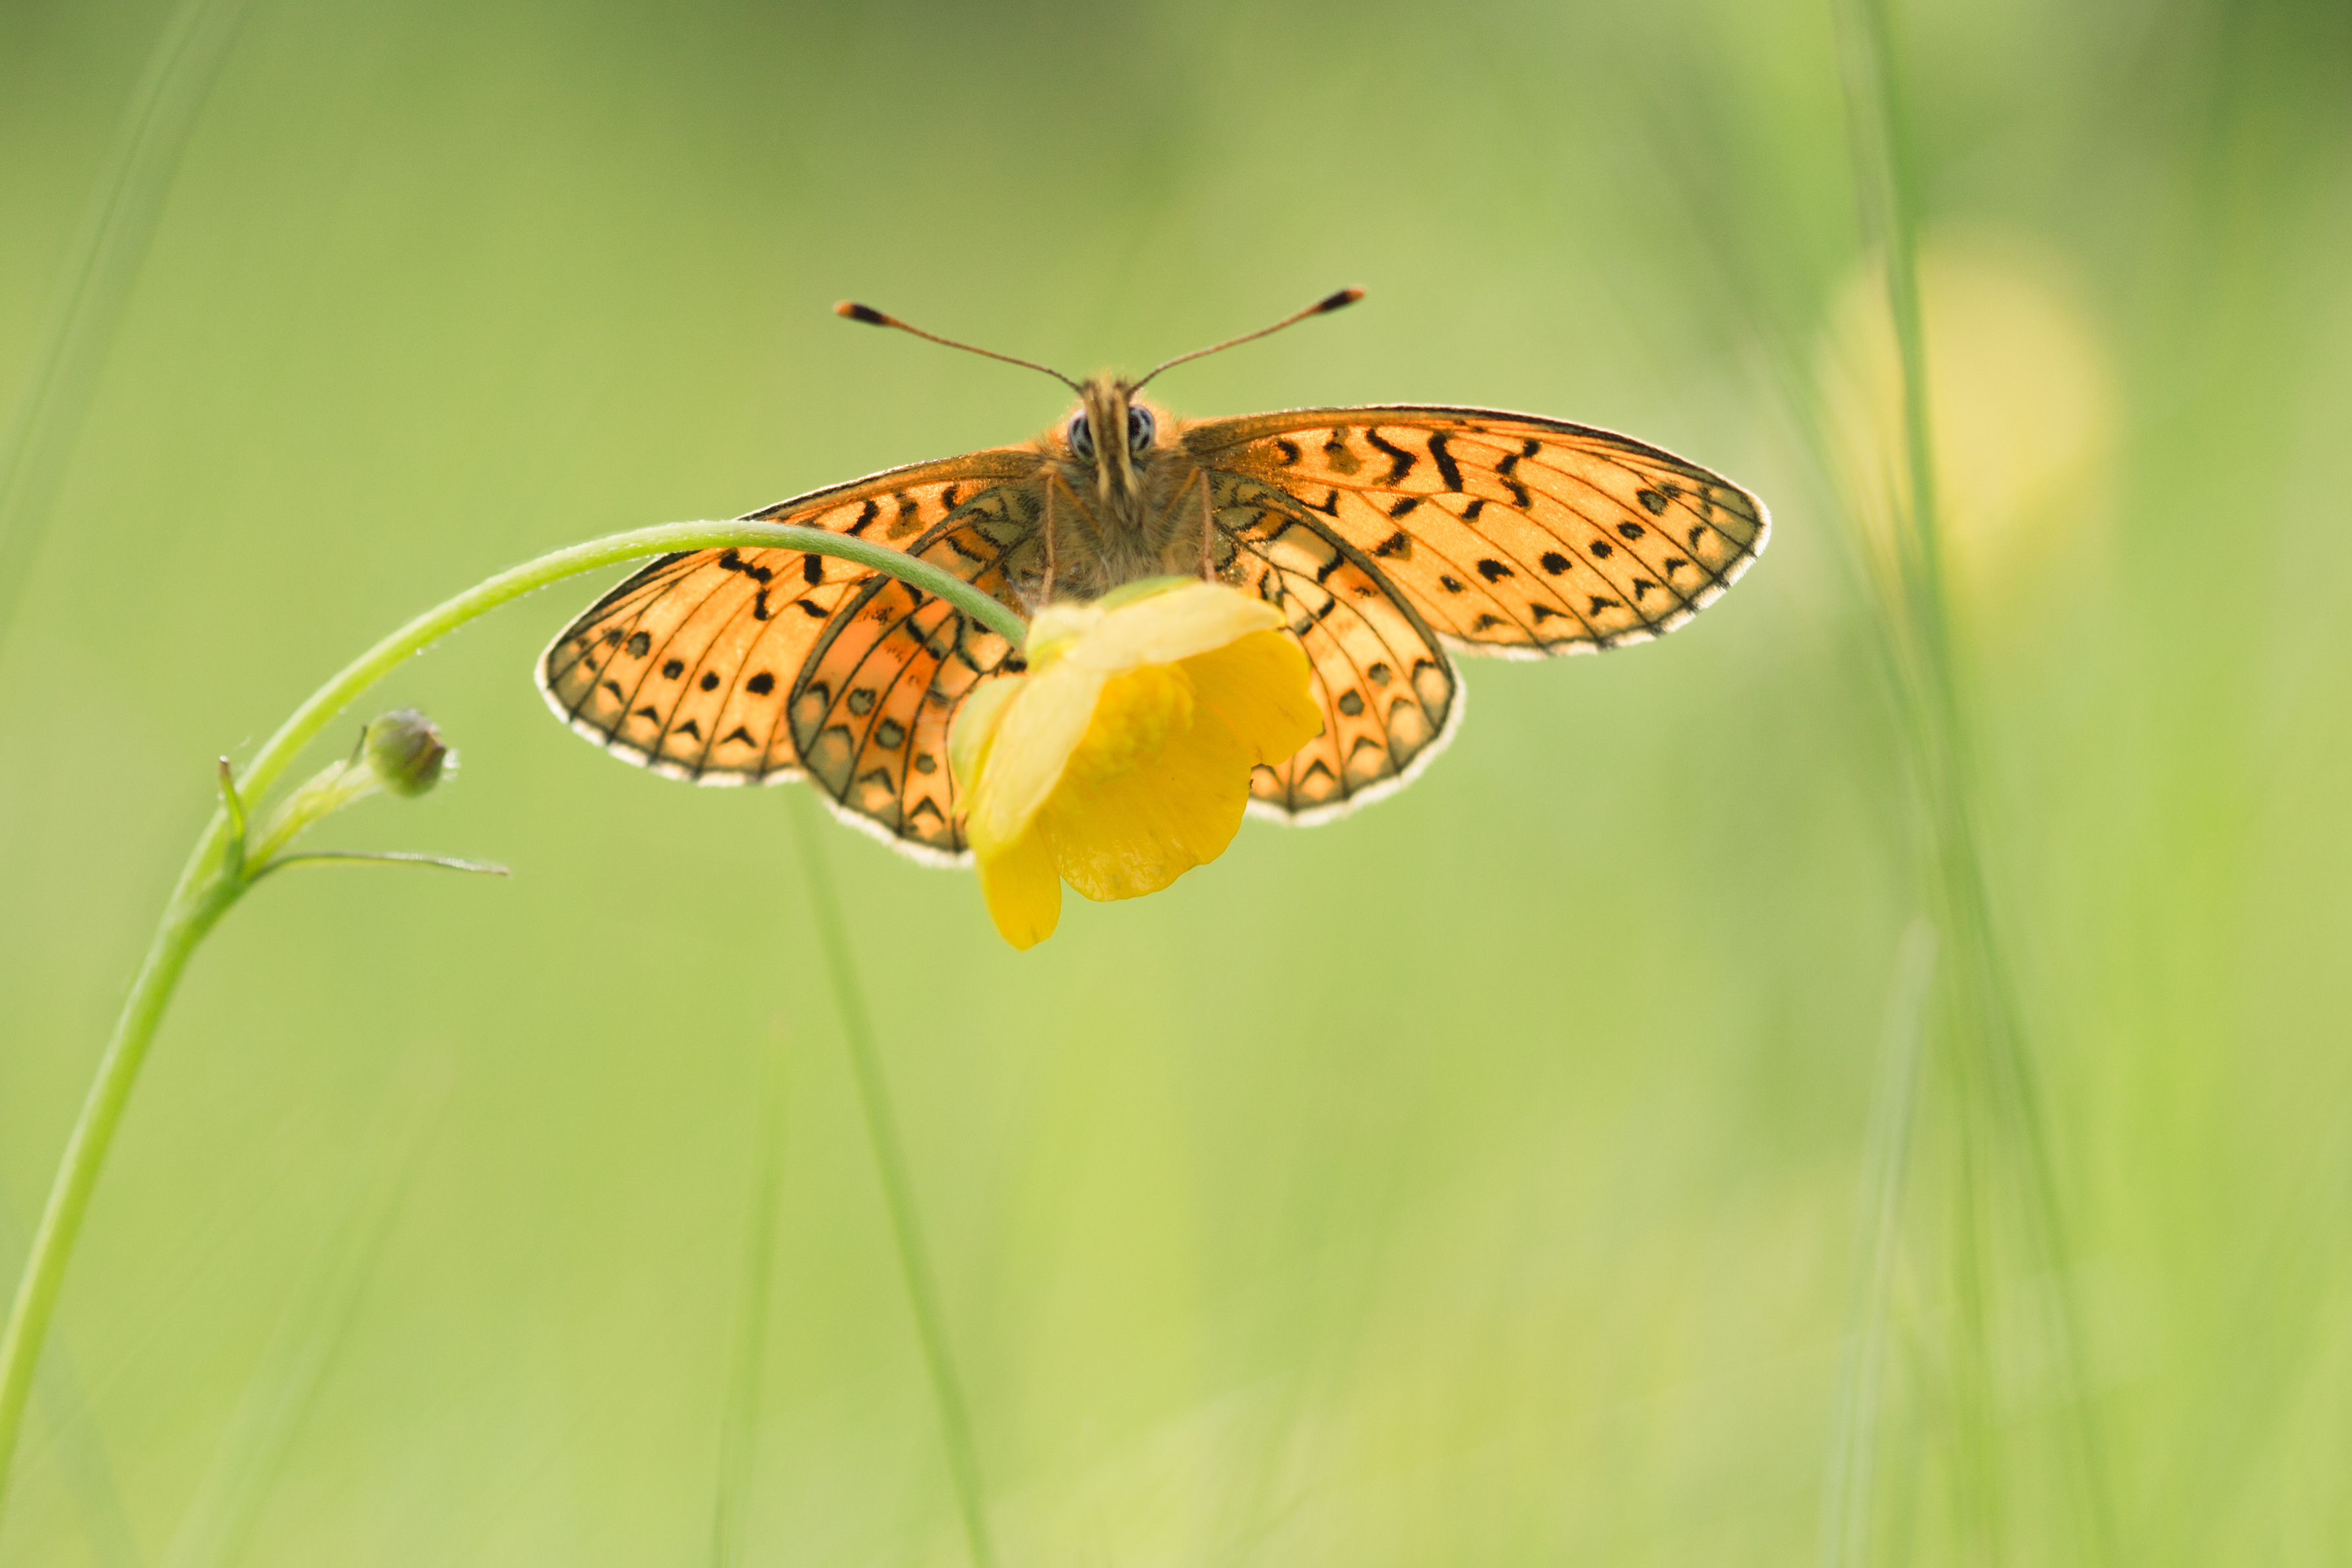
(898, 1188)
(333, 788)
(379, 661)
(210, 883)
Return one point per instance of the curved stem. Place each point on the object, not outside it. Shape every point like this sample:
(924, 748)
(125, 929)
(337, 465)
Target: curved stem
(379, 661)
(209, 884)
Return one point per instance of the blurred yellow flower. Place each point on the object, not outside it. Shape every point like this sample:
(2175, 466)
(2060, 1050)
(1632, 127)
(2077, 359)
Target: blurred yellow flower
(1122, 759)
(2023, 394)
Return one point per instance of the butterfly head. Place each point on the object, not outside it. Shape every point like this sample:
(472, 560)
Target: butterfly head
(1109, 447)
(1111, 437)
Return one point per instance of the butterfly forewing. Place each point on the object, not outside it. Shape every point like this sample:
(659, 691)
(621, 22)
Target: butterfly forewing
(1510, 533)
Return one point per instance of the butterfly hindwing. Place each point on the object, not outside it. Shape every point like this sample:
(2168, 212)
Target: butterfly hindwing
(1388, 694)
(872, 703)
(1511, 533)
(686, 667)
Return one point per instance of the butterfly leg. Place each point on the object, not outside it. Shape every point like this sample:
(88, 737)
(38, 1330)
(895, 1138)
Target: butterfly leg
(1208, 530)
(1045, 590)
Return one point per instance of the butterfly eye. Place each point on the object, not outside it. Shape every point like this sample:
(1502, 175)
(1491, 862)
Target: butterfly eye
(1082, 436)
(1139, 430)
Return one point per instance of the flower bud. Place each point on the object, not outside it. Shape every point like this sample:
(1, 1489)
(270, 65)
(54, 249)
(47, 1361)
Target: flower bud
(406, 752)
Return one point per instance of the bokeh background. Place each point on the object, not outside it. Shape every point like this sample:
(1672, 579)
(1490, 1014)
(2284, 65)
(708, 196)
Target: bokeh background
(1484, 1179)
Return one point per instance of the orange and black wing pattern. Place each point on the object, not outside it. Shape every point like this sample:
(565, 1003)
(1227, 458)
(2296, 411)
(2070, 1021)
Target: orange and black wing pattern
(705, 664)
(869, 711)
(1511, 534)
(1388, 694)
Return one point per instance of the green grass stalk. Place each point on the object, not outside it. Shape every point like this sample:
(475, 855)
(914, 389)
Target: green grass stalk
(210, 884)
(1847, 1495)
(59, 1393)
(1988, 1058)
(104, 262)
(739, 1427)
(898, 1188)
(217, 1526)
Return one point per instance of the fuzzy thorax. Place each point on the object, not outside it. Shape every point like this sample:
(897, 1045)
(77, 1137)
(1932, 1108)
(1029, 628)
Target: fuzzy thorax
(1125, 501)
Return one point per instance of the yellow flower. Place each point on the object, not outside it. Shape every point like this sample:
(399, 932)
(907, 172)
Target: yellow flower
(1122, 759)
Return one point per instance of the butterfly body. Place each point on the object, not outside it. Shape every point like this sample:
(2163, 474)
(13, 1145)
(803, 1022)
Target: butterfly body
(1118, 500)
(1389, 536)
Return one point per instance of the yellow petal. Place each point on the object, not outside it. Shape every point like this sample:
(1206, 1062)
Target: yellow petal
(1258, 684)
(1057, 629)
(1142, 588)
(1137, 717)
(1173, 625)
(1037, 729)
(1121, 833)
(1024, 894)
(1122, 759)
(975, 728)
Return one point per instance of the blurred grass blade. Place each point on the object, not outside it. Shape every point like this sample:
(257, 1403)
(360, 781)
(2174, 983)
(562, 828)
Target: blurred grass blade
(58, 1394)
(1996, 1115)
(2266, 1344)
(221, 1518)
(39, 440)
(897, 1189)
(1885, 1167)
(740, 1426)
(97, 1491)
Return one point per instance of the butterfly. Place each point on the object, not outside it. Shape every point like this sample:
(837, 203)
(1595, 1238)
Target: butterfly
(1390, 536)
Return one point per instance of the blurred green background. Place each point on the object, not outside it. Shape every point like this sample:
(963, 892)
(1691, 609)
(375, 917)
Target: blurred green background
(1474, 1181)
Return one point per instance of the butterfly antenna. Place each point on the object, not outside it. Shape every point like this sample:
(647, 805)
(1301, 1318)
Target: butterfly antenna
(850, 310)
(1323, 306)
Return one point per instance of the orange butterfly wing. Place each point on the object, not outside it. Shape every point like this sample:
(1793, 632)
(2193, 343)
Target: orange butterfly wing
(689, 667)
(1386, 534)
(1388, 694)
(869, 711)
(1511, 534)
